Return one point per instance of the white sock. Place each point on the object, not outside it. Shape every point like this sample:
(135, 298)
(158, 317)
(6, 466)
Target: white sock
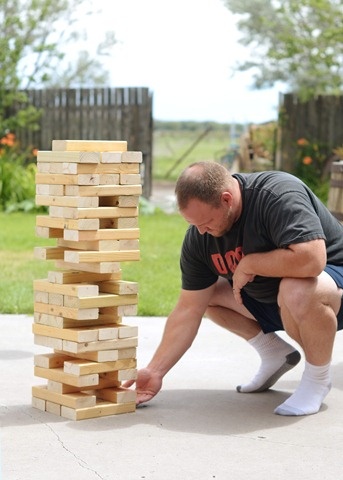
(277, 357)
(307, 399)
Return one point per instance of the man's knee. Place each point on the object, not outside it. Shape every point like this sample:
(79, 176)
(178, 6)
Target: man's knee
(296, 294)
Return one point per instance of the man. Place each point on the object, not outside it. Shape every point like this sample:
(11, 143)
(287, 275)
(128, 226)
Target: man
(261, 254)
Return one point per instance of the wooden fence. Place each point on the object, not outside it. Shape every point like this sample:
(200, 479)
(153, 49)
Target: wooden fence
(95, 114)
(320, 121)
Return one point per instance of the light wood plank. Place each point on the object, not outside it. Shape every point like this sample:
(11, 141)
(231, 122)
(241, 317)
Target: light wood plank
(68, 156)
(103, 190)
(63, 179)
(75, 347)
(58, 375)
(71, 289)
(83, 367)
(74, 313)
(102, 409)
(102, 234)
(96, 257)
(89, 146)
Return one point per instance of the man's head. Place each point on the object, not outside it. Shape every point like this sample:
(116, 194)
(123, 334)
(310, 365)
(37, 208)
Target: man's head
(207, 197)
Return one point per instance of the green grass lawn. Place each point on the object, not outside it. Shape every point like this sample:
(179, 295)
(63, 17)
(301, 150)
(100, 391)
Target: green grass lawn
(157, 272)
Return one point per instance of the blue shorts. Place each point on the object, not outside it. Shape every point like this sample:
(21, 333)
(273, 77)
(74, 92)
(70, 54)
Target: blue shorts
(268, 315)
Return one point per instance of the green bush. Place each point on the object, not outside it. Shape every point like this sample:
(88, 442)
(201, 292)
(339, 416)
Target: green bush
(17, 176)
(310, 163)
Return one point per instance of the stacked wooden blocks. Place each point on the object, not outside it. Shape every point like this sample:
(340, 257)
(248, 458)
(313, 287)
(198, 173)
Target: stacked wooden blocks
(92, 190)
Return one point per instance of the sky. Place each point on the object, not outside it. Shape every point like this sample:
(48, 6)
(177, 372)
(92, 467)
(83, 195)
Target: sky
(184, 51)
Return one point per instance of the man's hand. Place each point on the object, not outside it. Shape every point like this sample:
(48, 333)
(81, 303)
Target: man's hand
(240, 279)
(148, 384)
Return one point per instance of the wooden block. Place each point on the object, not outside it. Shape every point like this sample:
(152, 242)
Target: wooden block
(127, 310)
(102, 267)
(101, 409)
(53, 408)
(125, 222)
(119, 375)
(42, 297)
(101, 300)
(98, 257)
(58, 375)
(127, 331)
(103, 190)
(67, 201)
(61, 322)
(38, 403)
(89, 146)
(127, 353)
(55, 299)
(101, 169)
(80, 224)
(119, 201)
(117, 395)
(129, 244)
(50, 360)
(70, 289)
(72, 400)
(83, 334)
(99, 212)
(127, 179)
(64, 179)
(109, 179)
(125, 375)
(121, 157)
(74, 313)
(60, 387)
(68, 156)
(102, 234)
(111, 157)
(75, 347)
(103, 355)
(42, 189)
(120, 287)
(132, 157)
(55, 189)
(47, 189)
(109, 332)
(49, 167)
(48, 253)
(83, 367)
(97, 245)
(73, 276)
(49, 342)
(46, 232)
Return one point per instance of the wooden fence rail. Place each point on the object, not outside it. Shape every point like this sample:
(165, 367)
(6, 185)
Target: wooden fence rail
(95, 114)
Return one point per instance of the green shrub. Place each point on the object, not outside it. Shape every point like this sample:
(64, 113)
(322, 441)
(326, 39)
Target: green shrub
(17, 176)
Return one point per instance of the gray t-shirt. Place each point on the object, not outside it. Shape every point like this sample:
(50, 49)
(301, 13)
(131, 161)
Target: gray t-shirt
(278, 210)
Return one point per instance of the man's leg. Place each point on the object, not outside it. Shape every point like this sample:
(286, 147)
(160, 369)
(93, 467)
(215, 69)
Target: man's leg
(277, 356)
(308, 310)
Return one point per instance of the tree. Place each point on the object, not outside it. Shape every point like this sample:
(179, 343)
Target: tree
(297, 42)
(36, 37)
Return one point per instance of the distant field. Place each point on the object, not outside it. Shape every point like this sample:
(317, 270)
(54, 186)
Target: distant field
(174, 150)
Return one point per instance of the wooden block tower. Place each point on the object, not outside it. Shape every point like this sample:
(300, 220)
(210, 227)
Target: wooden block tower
(92, 190)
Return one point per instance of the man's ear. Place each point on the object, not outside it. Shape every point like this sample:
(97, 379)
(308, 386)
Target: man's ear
(227, 198)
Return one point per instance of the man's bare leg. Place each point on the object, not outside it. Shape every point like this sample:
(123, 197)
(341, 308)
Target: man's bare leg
(308, 309)
(277, 356)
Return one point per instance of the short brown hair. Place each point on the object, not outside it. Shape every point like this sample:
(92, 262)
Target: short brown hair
(205, 181)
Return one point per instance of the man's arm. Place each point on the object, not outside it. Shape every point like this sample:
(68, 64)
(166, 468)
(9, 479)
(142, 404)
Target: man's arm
(180, 330)
(300, 260)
